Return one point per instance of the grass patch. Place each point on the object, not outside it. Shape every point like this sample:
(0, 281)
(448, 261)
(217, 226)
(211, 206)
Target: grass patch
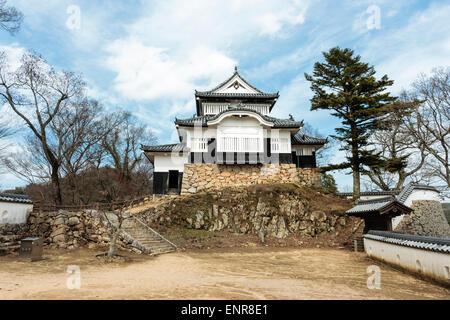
(180, 235)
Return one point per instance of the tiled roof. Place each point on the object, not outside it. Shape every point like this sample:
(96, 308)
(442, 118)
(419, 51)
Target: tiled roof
(236, 95)
(364, 206)
(370, 193)
(373, 205)
(163, 148)
(409, 240)
(11, 197)
(301, 139)
(211, 92)
(203, 120)
(406, 191)
(189, 122)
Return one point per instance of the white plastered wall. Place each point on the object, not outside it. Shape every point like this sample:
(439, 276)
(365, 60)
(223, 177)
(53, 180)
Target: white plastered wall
(307, 150)
(430, 263)
(14, 213)
(169, 161)
(240, 127)
(234, 126)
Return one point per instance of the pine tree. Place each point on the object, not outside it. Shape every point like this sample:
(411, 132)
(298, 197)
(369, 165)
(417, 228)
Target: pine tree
(329, 183)
(348, 87)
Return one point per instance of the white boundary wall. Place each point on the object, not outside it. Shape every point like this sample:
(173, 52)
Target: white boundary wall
(14, 213)
(433, 264)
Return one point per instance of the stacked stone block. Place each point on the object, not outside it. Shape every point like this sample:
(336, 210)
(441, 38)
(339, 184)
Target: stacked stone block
(200, 177)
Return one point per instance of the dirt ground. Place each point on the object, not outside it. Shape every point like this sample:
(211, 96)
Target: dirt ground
(228, 273)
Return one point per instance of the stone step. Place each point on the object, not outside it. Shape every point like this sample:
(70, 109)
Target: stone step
(141, 234)
(147, 238)
(157, 251)
(151, 243)
(146, 234)
(160, 249)
(154, 245)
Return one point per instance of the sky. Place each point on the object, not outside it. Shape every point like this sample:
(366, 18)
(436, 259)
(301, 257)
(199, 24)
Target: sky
(148, 57)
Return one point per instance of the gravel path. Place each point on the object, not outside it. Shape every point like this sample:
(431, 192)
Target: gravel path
(233, 273)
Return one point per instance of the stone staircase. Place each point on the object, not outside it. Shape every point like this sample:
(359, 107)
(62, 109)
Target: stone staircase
(146, 238)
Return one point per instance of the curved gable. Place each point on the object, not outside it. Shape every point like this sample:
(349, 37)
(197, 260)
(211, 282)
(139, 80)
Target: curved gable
(240, 113)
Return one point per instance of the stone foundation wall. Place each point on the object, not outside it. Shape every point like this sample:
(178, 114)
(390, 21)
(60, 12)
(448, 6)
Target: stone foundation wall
(63, 229)
(200, 177)
(274, 210)
(10, 236)
(427, 219)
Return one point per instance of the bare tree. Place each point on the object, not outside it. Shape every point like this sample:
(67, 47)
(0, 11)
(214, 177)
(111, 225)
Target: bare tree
(115, 220)
(37, 94)
(10, 18)
(402, 156)
(78, 131)
(5, 131)
(415, 142)
(75, 133)
(431, 122)
(30, 163)
(123, 143)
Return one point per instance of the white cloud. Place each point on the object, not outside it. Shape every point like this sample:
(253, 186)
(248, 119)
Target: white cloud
(13, 53)
(215, 23)
(178, 46)
(418, 47)
(146, 72)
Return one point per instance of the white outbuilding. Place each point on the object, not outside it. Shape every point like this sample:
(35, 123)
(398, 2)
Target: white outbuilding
(14, 208)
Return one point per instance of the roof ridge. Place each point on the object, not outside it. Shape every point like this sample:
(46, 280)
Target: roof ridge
(303, 138)
(383, 199)
(8, 194)
(380, 192)
(304, 134)
(408, 189)
(239, 108)
(236, 72)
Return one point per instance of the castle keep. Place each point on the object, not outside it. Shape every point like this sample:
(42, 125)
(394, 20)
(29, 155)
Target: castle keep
(233, 140)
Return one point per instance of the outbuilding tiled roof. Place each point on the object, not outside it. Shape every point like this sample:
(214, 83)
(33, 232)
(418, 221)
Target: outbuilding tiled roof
(370, 193)
(203, 120)
(12, 197)
(163, 148)
(409, 240)
(301, 139)
(374, 205)
(406, 191)
(379, 206)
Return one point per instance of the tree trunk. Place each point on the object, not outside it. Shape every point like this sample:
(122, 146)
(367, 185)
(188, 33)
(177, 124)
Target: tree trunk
(355, 164)
(356, 185)
(112, 244)
(56, 185)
